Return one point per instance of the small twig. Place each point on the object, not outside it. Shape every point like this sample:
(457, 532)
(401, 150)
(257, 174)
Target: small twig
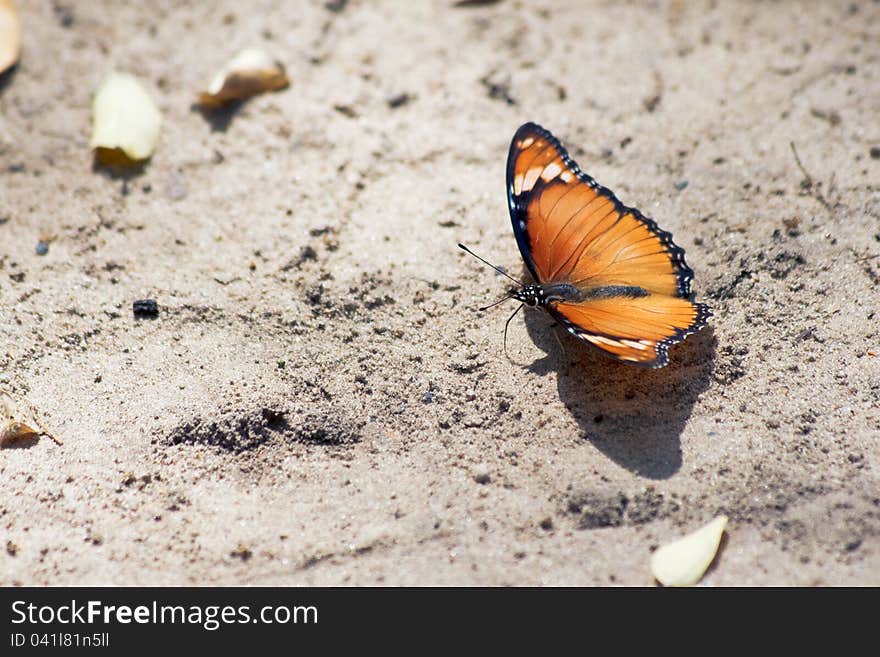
(651, 102)
(808, 183)
(864, 258)
(40, 424)
(801, 166)
(229, 282)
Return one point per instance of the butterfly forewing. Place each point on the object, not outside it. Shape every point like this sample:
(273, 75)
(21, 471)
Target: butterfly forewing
(570, 229)
(628, 252)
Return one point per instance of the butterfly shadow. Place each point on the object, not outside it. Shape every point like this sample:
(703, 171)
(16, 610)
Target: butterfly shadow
(631, 414)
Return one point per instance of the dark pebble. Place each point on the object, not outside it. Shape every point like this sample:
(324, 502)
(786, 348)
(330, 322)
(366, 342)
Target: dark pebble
(852, 546)
(875, 152)
(399, 100)
(481, 474)
(145, 308)
(42, 248)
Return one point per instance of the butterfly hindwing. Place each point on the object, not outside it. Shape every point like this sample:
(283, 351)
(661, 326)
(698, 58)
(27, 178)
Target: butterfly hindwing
(572, 230)
(637, 330)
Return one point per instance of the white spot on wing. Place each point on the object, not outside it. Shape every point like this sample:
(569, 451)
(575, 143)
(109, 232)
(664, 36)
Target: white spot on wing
(551, 172)
(525, 143)
(598, 339)
(531, 178)
(518, 184)
(567, 176)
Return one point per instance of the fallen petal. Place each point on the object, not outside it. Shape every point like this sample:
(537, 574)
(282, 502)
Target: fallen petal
(10, 35)
(683, 562)
(126, 121)
(250, 72)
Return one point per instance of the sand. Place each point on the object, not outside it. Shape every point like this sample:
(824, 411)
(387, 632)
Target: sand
(319, 402)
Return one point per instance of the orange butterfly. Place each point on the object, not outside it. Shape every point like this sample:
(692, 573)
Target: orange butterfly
(604, 271)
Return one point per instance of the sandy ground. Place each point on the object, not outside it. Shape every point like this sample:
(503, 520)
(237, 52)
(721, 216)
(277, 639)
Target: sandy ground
(319, 402)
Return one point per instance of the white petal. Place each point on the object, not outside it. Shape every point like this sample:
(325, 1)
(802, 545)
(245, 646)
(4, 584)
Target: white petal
(683, 562)
(10, 35)
(250, 72)
(125, 119)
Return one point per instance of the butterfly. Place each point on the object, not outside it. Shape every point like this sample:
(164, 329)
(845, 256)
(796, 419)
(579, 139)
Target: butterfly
(607, 273)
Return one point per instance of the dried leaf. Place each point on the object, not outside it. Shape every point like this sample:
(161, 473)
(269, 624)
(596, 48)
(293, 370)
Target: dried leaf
(16, 434)
(683, 562)
(126, 121)
(10, 35)
(250, 72)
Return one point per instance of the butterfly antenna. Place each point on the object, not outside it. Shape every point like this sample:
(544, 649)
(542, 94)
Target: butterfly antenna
(500, 301)
(483, 260)
(506, 324)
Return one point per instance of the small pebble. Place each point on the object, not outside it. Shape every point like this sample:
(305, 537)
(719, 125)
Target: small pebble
(242, 552)
(145, 308)
(853, 545)
(346, 110)
(680, 185)
(398, 100)
(481, 474)
(42, 248)
(875, 152)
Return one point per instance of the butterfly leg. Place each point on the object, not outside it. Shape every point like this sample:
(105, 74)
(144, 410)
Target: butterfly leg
(556, 331)
(506, 324)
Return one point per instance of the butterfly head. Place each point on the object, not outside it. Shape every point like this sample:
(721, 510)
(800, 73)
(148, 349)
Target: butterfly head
(531, 295)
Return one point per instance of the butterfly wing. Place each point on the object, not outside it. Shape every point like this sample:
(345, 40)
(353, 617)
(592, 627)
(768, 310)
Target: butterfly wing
(633, 329)
(570, 229)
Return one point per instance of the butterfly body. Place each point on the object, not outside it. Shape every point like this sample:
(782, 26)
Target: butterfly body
(603, 270)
